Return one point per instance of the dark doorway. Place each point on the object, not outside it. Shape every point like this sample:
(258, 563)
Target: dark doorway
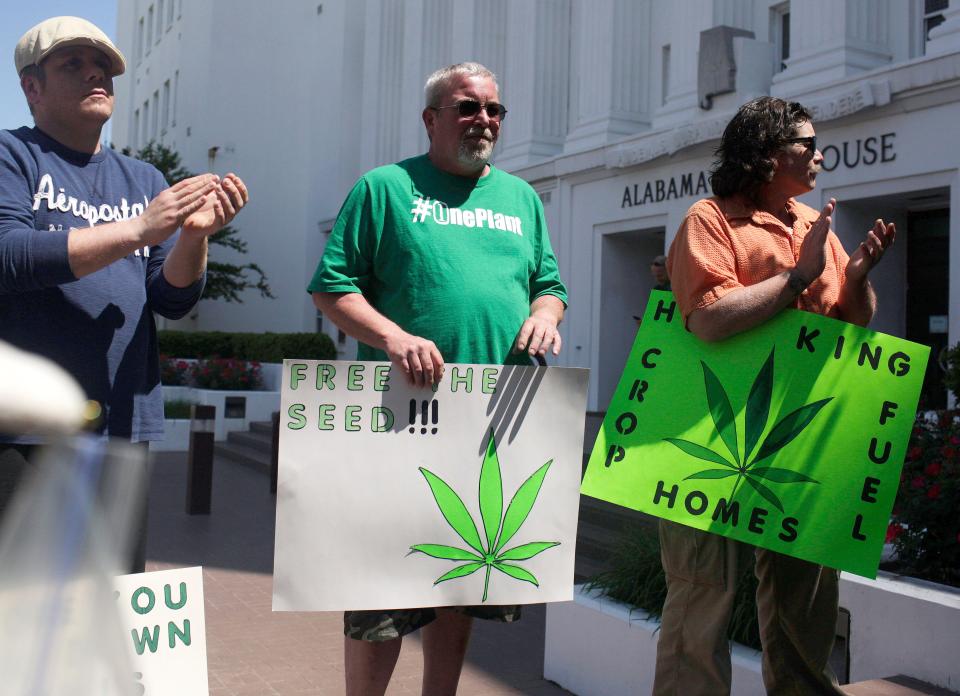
(928, 273)
(625, 283)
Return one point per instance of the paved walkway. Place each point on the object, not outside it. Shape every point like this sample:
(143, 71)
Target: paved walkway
(254, 651)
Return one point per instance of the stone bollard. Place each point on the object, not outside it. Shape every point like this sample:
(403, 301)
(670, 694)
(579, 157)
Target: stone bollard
(200, 459)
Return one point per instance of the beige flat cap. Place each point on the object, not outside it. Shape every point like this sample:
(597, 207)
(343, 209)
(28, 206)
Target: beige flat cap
(59, 32)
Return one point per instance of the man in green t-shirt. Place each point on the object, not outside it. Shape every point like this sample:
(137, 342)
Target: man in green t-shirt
(440, 257)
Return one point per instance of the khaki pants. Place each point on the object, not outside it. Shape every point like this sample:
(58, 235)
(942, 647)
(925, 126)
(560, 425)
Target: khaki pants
(796, 603)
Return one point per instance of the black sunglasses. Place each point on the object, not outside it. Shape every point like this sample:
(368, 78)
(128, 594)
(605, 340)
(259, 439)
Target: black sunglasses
(471, 107)
(809, 142)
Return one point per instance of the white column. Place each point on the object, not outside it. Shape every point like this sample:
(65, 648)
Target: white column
(832, 39)
(945, 38)
(419, 46)
(609, 96)
(427, 47)
(464, 34)
(537, 73)
(354, 118)
(490, 35)
(436, 35)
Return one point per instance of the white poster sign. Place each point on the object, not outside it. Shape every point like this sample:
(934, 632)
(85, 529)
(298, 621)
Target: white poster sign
(162, 615)
(393, 496)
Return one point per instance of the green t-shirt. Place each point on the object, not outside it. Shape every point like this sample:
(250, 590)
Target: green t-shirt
(452, 259)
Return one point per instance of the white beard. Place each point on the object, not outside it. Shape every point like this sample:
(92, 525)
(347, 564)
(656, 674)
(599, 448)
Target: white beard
(472, 153)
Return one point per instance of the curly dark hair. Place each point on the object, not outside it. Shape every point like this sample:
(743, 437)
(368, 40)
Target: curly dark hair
(749, 143)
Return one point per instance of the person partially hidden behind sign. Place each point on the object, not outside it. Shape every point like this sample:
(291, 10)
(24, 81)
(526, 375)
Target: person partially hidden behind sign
(661, 279)
(441, 257)
(737, 260)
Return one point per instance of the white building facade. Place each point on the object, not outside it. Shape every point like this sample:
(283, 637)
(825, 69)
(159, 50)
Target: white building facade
(615, 109)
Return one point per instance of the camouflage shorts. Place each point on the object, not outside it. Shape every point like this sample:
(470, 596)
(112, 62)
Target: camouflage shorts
(386, 624)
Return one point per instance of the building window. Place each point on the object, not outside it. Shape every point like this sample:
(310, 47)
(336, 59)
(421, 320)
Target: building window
(170, 13)
(176, 82)
(780, 33)
(933, 15)
(139, 51)
(665, 74)
(146, 124)
(156, 114)
(166, 106)
(149, 28)
(136, 129)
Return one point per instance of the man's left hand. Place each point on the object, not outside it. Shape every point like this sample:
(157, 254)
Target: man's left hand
(219, 209)
(537, 335)
(871, 250)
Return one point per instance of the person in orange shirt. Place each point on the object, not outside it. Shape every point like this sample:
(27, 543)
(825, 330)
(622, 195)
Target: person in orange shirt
(736, 261)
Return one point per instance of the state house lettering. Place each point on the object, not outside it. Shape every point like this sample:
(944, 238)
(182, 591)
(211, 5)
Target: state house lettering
(659, 190)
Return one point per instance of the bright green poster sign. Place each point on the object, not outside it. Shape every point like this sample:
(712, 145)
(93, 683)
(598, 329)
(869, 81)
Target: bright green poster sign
(790, 436)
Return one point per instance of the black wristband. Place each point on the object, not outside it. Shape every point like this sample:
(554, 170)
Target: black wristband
(796, 283)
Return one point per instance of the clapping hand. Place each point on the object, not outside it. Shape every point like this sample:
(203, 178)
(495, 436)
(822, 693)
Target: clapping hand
(220, 207)
(813, 249)
(871, 250)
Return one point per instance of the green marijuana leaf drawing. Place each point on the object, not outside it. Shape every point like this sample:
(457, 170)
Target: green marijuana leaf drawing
(497, 529)
(757, 413)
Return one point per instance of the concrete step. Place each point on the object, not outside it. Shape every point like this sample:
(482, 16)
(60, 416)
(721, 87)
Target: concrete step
(259, 441)
(614, 517)
(599, 530)
(595, 542)
(264, 427)
(243, 455)
(591, 426)
(585, 569)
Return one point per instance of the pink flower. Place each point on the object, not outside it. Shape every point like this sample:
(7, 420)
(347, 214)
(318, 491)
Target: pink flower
(915, 453)
(934, 491)
(932, 469)
(948, 452)
(918, 482)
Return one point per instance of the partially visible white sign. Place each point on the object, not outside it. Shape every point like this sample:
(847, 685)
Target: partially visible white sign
(390, 496)
(939, 323)
(162, 614)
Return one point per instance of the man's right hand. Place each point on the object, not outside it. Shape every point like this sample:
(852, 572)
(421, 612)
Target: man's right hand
(813, 249)
(418, 358)
(171, 207)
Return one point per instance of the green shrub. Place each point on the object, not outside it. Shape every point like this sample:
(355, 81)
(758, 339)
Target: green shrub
(263, 347)
(636, 578)
(177, 408)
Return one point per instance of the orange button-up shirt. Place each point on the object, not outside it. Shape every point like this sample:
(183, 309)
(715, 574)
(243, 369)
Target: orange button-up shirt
(726, 243)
